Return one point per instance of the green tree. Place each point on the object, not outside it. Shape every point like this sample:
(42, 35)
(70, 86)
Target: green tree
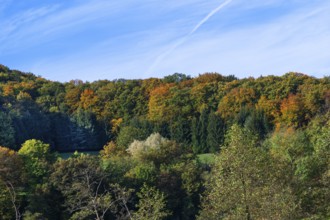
(180, 131)
(258, 124)
(314, 170)
(242, 184)
(38, 160)
(128, 134)
(11, 182)
(7, 132)
(145, 172)
(85, 189)
(203, 120)
(29, 122)
(86, 132)
(195, 139)
(189, 172)
(199, 133)
(176, 78)
(215, 132)
(303, 156)
(151, 205)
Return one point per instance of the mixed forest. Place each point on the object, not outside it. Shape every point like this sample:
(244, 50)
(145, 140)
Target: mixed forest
(179, 147)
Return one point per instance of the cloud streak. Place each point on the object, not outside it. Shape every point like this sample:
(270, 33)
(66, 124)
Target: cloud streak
(296, 42)
(36, 25)
(97, 39)
(214, 11)
(184, 39)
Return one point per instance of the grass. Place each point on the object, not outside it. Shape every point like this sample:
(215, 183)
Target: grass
(206, 158)
(69, 154)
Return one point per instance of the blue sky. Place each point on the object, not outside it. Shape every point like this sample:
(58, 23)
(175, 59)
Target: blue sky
(103, 39)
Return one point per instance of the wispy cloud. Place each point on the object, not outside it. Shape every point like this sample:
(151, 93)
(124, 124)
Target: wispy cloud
(38, 25)
(26, 17)
(96, 39)
(295, 42)
(184, 39)
(41, 24)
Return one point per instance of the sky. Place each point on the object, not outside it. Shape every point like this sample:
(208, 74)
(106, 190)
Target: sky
(134, 39)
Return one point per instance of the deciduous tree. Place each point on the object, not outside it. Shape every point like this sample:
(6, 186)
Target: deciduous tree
(86, 191)
(151, 205)
(11, 183)
(242, 185)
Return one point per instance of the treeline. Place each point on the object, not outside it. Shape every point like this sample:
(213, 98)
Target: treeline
(195, 112)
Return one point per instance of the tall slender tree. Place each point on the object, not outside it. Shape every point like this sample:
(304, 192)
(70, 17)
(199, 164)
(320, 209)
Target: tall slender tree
(215, 132)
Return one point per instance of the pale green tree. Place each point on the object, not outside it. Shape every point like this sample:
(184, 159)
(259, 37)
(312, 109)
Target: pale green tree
(243, 183)
(156, 149)
(153, 143)
(37, 158)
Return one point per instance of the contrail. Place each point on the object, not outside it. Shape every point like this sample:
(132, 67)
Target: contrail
(182, 40)
(209, 15)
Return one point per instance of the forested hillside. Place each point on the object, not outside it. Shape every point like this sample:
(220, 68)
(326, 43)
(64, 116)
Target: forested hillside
(180, 147)
(193, 111)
